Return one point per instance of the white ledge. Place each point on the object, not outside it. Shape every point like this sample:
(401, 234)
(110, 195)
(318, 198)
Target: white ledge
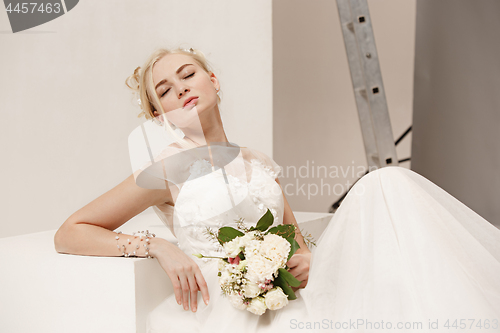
(45, 291)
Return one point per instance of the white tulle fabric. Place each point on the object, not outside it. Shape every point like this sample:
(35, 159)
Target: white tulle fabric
(399, 250)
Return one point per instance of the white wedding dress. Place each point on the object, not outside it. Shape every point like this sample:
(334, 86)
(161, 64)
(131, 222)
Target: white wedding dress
(399, 251)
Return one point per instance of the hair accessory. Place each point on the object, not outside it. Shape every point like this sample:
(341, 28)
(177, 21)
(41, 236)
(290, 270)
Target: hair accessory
(135, 253)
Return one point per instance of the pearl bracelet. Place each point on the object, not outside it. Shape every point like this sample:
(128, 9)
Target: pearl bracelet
(126, 254)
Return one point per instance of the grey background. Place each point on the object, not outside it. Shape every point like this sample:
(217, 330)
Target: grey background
(456, 106)
(314, 111)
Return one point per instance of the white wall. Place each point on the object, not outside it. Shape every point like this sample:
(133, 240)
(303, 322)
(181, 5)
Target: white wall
(66, 112)
(315, 115)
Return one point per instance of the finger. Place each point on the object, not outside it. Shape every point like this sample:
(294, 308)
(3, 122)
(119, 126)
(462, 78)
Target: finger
(294, 261)
(174, 278)
(194, 292)
(202, 285)
(302, 285)
(185, 290)
(294, 272)
(302, 276)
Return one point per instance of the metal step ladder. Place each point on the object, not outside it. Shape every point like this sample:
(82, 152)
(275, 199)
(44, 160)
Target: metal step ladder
(367, 83)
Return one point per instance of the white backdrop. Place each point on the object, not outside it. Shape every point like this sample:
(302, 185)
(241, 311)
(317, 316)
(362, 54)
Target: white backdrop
(66, 112)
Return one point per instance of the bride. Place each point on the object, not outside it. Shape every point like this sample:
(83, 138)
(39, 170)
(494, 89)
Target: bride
(399, 254)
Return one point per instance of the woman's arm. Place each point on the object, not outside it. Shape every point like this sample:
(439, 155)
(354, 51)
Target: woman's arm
(300, 262)
(289, 218)
(89, 231)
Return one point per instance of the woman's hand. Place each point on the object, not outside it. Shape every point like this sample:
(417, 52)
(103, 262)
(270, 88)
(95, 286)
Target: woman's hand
(299, 265)
(182, 270)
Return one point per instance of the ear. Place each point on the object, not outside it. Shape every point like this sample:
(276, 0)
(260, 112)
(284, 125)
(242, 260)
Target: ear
(215, 81)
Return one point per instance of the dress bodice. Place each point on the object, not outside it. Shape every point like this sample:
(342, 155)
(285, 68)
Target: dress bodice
(209, 200)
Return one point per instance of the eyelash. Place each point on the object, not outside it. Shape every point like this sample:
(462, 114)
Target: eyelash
(166, 91)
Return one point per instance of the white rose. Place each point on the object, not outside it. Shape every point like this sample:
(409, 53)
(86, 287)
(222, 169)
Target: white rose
(257, 306)
(237, 301)
(276, 248)
(260, 269)
(233, 247)
(251, 290)
(276, 299)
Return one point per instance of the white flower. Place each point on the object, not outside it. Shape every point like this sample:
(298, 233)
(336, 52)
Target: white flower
(242, 265)
(276, 248)
(276, 299)
(222, 265)
(237, 301)
(257, 306)
(233, 247)
(225, 277)
(260, 269)
(200, 167)
(252, 248)
(251, 290)
(247, 238)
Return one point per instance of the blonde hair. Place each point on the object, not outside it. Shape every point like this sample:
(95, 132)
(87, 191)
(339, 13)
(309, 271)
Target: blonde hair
(141, 82)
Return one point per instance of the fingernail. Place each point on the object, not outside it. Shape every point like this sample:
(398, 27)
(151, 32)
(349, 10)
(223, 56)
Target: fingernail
(179, 302)
(206, 302)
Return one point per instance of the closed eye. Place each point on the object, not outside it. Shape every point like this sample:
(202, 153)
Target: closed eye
(165, 92)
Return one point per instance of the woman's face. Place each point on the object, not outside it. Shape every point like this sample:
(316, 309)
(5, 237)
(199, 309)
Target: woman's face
(181, 83)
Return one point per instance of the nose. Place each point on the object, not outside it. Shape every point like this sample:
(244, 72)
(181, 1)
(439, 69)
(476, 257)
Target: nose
(183, 91)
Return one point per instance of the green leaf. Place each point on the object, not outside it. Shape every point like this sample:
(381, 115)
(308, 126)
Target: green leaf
(283, 230)
(288, 277)
(280, 282)
(294, 246)
(265, 221)
(227, 234)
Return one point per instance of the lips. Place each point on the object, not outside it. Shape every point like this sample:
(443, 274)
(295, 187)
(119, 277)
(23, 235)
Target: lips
(190, 101)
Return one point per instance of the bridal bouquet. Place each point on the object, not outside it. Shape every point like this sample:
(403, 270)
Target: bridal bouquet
(254, 274)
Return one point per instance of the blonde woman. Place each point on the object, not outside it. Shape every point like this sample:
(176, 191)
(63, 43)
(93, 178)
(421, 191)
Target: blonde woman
(398, 250)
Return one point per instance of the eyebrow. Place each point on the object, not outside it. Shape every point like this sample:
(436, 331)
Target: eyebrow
(176, 72)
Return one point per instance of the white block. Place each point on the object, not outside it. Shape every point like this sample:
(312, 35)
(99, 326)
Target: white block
(44, 291)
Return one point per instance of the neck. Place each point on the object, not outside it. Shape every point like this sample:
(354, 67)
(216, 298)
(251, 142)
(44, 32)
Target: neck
(213, 130)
